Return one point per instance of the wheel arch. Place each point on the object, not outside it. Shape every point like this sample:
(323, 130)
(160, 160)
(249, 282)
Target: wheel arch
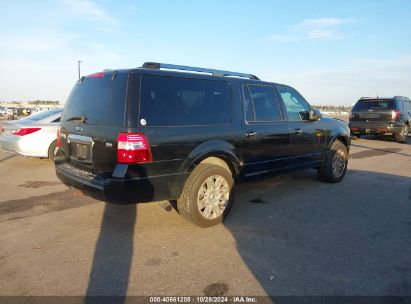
(342, 138)
(215, 152)
(219, 159)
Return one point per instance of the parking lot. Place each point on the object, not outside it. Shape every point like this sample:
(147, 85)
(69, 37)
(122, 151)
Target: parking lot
(286, 235)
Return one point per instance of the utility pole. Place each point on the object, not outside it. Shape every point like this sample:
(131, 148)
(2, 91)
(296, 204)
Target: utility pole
(78, 63)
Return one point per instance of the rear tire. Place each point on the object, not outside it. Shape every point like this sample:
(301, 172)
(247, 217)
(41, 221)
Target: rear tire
(51, 150)
(401, 137)
(335, 165)
(207, 196)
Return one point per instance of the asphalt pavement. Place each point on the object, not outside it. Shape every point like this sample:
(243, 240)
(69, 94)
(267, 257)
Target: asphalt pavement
(286, 235)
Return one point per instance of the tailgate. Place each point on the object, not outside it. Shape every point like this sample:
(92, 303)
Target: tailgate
(92, 118)
(372, 115)
(373, 110)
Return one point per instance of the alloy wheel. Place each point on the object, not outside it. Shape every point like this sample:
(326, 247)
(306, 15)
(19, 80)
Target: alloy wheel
(213, 197)
(338, 163)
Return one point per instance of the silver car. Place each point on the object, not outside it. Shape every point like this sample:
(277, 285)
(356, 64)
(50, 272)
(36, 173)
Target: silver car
(34, 135)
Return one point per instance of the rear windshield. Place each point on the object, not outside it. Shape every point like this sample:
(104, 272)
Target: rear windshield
(375, 104)
(173, 101)
(99, 100)
(41, 115)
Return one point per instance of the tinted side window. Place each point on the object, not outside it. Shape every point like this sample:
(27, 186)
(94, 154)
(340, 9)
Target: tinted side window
(100, 100)
(399, 103)
(407, 104)
(172, 101)
(296, 106)
(248, 105)
(260, 104)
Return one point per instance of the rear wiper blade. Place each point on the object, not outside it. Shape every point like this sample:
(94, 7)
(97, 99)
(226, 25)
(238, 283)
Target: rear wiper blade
(80, 118)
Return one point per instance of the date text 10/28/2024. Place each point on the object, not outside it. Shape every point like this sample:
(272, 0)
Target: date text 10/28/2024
(203, 299)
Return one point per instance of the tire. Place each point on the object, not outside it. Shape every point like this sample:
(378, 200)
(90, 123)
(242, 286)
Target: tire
(335, 166)
(401, 137)
(51, 150)
(203, 185)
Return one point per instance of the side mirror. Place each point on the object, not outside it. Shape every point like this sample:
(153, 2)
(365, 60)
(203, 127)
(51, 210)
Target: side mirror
(314, 115)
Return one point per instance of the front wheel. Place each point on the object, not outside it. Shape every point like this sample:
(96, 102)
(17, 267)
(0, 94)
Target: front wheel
(335, 165)
(401, 137)
(207, 196)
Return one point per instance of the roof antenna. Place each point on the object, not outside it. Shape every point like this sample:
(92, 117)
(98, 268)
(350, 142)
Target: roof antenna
(377, 93)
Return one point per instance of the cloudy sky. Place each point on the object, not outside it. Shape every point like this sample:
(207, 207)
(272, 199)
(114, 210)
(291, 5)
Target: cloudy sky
(332, 51)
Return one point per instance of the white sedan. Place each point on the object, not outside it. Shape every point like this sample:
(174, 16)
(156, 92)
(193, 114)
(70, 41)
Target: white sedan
(35, 135)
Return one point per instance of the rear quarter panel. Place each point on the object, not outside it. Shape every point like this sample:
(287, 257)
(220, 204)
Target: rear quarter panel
(38, 143)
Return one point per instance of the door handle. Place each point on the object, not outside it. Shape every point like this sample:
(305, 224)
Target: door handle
(298, 131)
(251, 134)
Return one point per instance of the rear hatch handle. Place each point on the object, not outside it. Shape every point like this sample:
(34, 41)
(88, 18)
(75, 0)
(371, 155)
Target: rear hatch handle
(81, 118)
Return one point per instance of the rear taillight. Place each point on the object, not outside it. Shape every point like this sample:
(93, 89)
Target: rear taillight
(395, 114)
(133, 148)
(58, 137)
(25, 131)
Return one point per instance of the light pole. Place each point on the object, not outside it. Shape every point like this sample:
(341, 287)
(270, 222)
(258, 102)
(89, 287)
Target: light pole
(78, 63)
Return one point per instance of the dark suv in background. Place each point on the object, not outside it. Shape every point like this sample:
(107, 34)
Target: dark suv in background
(186, 134)
(381, 116)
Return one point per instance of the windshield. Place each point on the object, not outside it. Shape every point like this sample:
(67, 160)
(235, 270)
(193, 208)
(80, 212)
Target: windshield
(41, 115)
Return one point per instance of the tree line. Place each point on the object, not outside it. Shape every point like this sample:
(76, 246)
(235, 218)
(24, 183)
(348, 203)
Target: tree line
(333, 108)
(34, 102)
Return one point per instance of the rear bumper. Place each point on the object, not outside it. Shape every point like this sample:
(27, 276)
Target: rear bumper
(363, 127)
(26, 146)
(122, 190)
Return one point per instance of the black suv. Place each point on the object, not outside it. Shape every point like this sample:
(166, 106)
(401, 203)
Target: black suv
(381, 116)
(158, 133)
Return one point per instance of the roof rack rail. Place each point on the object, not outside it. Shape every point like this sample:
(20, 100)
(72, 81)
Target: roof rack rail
(157, 66)
(378, 97)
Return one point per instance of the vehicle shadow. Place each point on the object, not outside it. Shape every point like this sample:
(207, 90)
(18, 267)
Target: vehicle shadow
(112, 261)
(375, 151)
(385, 138)
(299, 237)
(110, 271)
(7, 158)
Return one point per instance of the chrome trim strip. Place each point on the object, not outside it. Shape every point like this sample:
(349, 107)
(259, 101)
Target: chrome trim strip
(80, 139)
